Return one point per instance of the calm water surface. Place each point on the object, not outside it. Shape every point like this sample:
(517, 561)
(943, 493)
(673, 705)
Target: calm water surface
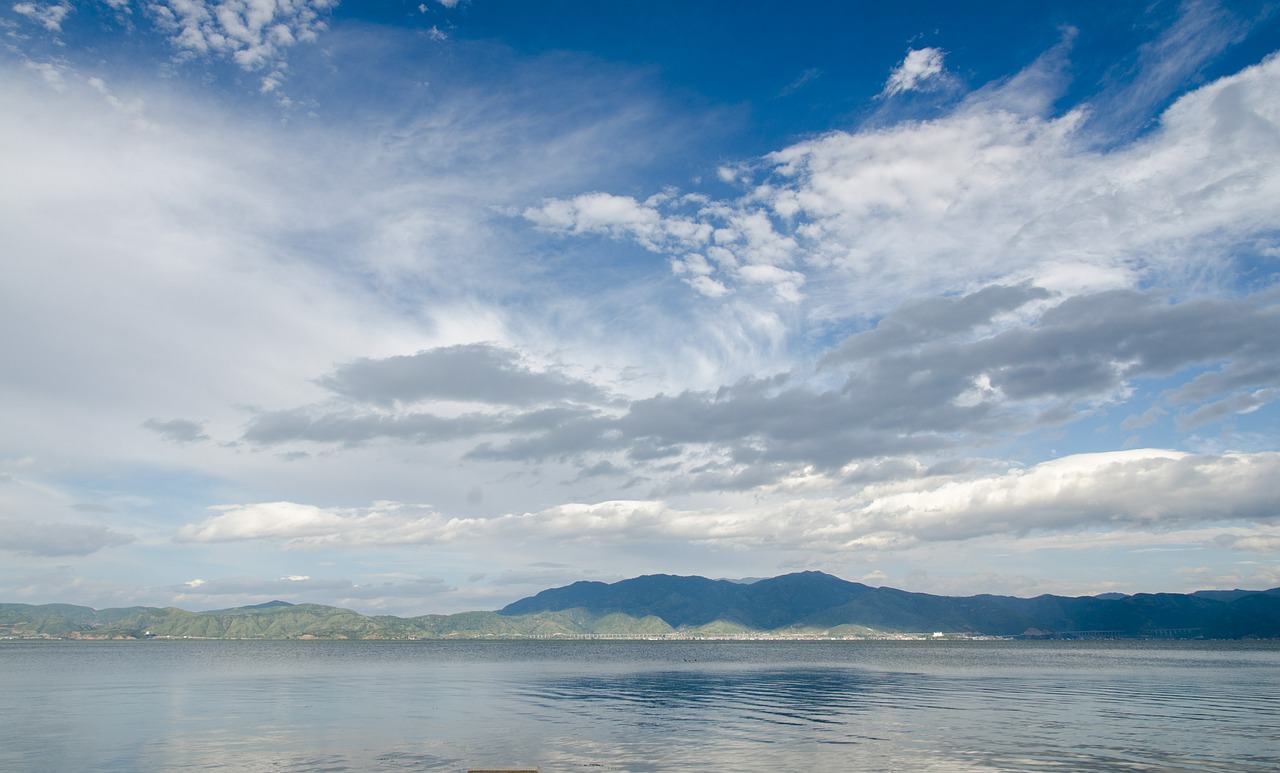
(640, 706)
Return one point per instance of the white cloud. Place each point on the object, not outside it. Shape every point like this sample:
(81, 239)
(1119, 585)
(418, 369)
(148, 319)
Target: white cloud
(1122, 489)
(920, 66)
(50, 73)
(480, 372)
(1267, 541)
(171, 275)
(306, 526)
(1237, 404)
(177, 430)
(925, 206)
(1114, 492)
(34, 517)
(934, 375)
(1252, 576)
(133, 107)
(618, 217)
(222, 262)
(386, 297)
(49, 16)
(871, 218)
(746, 244)
(1201, 32)
(57, 538)
(253, 33)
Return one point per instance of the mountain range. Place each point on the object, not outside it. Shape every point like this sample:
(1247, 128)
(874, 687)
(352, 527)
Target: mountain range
(814, 600)
(805, 604)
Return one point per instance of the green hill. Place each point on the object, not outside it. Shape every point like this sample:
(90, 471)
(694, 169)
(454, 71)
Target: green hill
(280, 620)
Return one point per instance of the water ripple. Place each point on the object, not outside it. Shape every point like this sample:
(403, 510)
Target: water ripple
(641, 707)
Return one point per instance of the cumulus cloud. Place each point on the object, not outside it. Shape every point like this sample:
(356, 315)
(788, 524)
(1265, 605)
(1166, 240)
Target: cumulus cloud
(600, 213)
(744, 243)
(48, 15)
(1143, 490)
(984, 194)
(1107, 493)
(920, 66)
(1124, 488)
(255, 34)
(622, 217)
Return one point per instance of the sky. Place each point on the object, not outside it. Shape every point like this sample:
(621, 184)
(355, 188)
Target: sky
(425, 307)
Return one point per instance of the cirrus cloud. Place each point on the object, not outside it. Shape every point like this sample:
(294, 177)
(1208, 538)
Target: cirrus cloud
(53, 539)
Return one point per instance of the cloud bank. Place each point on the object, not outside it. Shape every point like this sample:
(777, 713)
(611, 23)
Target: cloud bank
(461, 302)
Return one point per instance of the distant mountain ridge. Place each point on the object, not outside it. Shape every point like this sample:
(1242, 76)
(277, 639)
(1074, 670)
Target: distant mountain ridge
(817, 600)
(806, 604)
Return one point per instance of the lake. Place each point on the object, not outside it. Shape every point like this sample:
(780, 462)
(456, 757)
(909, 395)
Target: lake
(589, 706)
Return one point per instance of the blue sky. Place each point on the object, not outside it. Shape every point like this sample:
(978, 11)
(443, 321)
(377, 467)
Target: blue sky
(426, 307)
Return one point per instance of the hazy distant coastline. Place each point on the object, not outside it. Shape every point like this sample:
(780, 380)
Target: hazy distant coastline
(806, 605)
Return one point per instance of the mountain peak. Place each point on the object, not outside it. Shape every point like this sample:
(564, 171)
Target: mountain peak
(269, 605)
